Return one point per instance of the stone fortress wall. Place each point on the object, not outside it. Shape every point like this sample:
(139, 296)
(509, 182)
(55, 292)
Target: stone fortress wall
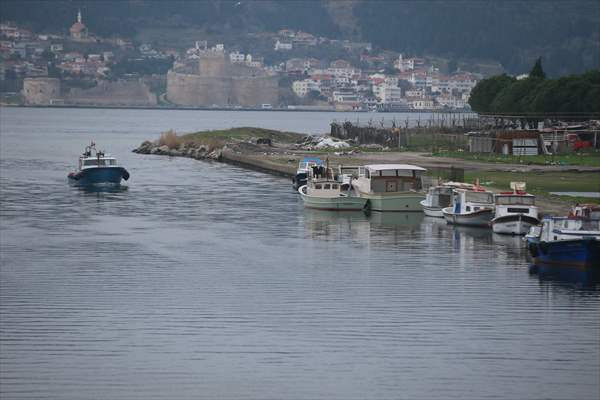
(47, 91)
(220, 83)
(120, 93)
(41, 91)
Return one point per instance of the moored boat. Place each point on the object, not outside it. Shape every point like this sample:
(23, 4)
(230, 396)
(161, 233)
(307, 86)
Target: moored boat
(515, 211)
(390, 187)
(439, 197)
(97, 167)
(472, 206)
(305, 167)
(328, 194)
(570, 241)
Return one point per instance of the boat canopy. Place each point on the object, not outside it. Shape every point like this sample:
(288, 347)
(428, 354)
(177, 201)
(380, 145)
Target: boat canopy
(390, 167)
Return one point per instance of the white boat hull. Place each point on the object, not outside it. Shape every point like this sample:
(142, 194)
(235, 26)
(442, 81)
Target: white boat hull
(408, 201)
(476, 218)
(513, 224)
(432, 211)
(340, 203)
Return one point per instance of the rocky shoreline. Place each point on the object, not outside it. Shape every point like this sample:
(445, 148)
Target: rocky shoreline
(188, 149)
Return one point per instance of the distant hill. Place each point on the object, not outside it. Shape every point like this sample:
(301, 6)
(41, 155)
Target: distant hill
(565, 33)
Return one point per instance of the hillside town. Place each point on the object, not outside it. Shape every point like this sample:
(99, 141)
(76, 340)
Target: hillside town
(281, 72)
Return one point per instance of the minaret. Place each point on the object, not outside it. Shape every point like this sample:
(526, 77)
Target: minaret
(79, 16)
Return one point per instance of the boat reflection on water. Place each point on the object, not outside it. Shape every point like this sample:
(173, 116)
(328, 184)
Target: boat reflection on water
(334, 225)
(583, 277)
(100, 190)
(513, 244)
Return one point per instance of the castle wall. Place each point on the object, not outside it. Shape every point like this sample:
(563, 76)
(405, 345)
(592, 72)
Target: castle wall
(120, 93)
(202, 91)
(41, 91)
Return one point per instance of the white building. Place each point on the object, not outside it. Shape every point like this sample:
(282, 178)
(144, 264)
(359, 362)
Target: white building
(388, 94)
(422, 104)
(279, 45)
(345, 96)
(237, 57)
(302, 88)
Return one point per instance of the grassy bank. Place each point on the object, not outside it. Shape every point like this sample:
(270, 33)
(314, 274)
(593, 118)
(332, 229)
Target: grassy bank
(219, 138)
(542, 183)
(590, 159)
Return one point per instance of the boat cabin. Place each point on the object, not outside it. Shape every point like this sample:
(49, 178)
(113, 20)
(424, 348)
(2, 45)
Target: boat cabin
(467, 201)
(92, 158)
(440, 196)
(586, 211)
(390, 178)
(326, 188)
(569, 228)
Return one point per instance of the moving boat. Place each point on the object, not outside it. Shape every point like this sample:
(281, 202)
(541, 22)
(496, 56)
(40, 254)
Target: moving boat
(440, 197)
(390, 187)
(470, 206)
(573, 241)
(305, 166)
(515, 211)
(97, 167)
(326, 193)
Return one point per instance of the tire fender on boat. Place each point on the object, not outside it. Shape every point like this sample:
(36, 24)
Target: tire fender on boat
(125, 174)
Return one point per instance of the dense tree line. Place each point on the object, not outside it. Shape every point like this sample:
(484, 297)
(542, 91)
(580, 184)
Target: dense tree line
(503, 94)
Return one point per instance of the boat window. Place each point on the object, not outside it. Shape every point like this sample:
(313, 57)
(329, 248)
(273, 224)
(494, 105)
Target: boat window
(113, 162)
(334, 186)
(326, 186)
(518, 210)
(479, 197)
(389, 172)
(367, 173)
(318, 186)
(507, 200)
(468, 208)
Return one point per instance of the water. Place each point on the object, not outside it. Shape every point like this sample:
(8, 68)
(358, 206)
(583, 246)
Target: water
(594, 195)
(204, 280)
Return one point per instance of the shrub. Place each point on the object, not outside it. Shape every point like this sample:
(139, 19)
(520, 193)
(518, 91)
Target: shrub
(170, 139)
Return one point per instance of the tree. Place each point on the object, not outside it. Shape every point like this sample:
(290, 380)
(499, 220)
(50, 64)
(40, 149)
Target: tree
(484, 93)
(537, 71)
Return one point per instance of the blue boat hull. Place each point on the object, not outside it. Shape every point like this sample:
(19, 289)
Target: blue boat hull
(577, 252)
(99, 175)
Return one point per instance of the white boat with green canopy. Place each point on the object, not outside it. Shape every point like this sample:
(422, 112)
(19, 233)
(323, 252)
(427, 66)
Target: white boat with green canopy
(390, 187)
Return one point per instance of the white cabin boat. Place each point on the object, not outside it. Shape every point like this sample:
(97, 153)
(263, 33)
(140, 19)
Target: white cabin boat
(515, 211)
(472, 207)
(440, 197)
(390, 187)
(328, 194)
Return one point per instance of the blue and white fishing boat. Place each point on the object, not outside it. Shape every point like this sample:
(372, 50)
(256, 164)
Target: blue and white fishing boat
(305, 166)
(473, 207)
(97, 167)
(571, 240)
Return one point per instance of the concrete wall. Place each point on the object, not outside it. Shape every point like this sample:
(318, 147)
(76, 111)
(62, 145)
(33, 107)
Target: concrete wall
(41, 91)
(120, 93)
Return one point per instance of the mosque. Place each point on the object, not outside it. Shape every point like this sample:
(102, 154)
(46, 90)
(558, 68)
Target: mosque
(78, 30)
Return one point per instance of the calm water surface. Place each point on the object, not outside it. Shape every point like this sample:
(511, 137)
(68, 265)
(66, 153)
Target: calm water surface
(203, 280)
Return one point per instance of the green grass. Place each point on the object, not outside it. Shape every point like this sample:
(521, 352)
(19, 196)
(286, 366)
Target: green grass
(243, 133)
(591, 159)
(542, 183)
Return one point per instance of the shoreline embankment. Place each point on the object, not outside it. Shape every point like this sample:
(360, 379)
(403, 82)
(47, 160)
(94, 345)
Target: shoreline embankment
(283, 161)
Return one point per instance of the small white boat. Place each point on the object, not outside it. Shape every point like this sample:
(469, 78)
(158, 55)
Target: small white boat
(472, 207)
(440, 197)
(305, 168)
(327, 194)
(390, 187)
(515, 211)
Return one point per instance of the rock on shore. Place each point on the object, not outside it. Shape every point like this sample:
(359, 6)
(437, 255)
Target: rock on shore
(190, 150)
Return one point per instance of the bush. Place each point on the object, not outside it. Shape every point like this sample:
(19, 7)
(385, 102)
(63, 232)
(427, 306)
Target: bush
(170, 139)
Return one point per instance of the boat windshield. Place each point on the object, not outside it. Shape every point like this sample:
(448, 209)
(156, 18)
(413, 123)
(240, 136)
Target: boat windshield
(509, 200)
(480, 197)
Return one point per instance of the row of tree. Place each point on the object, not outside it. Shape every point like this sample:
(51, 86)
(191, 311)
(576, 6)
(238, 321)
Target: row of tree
(503, 94)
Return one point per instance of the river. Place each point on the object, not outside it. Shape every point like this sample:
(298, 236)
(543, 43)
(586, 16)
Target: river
(204, 280)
